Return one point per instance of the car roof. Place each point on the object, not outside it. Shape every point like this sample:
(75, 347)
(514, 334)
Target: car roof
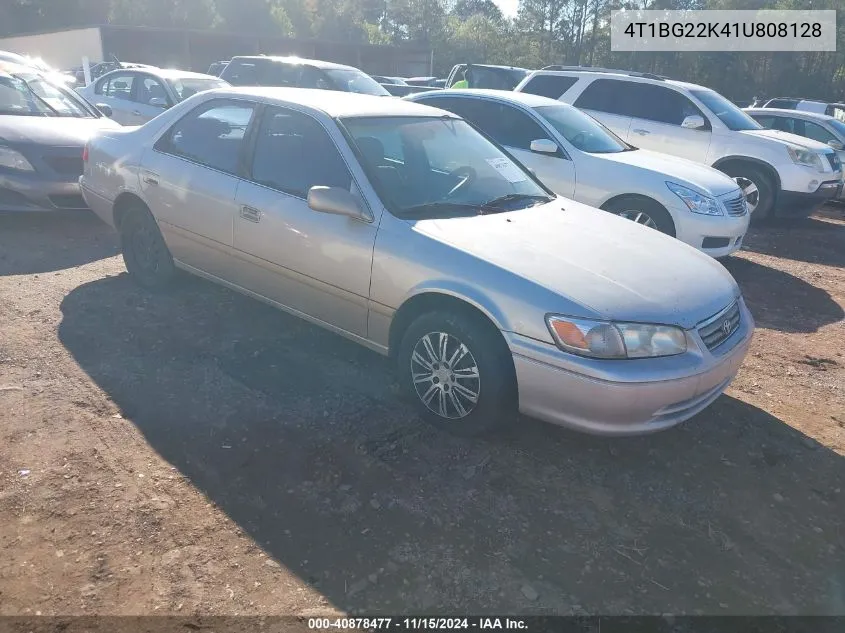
(622, 74)
(797, 114)
(334, 103)
(524, 98)
(164, 73)
(317, 63)
(499, 67)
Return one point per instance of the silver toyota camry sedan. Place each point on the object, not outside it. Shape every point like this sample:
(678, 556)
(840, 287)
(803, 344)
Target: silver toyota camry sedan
(400, 227)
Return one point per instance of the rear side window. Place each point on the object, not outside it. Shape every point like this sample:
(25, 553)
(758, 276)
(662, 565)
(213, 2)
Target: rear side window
(294, 153)
(117, 87)
(604, 95)
(279, 74)
(241, 73)
(212, 135)
(551, 86)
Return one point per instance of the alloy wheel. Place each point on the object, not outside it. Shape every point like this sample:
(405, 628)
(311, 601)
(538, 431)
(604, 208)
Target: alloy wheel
(750, 191)
(445, 375)
(640, 217)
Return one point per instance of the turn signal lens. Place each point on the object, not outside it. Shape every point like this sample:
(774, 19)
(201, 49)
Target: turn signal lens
(604, 339)
(85, 154)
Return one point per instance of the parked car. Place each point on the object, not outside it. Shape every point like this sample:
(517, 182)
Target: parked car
(43, 130)
(133, 97)
(395, 81)
(577, 157)
(66, 79)
(819, 127)
(836, 110)
(217, 67)
(781, 174)
(101, 68)
(489, 292)
(487, 76)
(430, 82)
(295, 72)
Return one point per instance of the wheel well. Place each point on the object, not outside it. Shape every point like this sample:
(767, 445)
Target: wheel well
(641, 198)
(122, 204)
(436, 301)
(767, 169)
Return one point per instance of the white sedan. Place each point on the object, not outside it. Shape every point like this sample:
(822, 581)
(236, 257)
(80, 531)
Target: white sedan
(577, 157)
(133, 96)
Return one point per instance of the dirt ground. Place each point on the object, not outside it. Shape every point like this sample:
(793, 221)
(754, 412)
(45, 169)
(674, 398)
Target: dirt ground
(198, 452)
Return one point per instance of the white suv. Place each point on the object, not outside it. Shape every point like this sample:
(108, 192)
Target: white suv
(781, 174)
(577, 157)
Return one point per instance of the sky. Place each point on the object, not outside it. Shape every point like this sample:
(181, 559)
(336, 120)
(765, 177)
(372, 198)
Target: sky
(508, 7)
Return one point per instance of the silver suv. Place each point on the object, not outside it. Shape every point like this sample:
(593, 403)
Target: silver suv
(780, 173)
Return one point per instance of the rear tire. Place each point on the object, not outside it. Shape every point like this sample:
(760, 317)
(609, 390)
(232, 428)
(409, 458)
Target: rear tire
(643, 211)
(459, 373)
(145, 254)
(758, 187)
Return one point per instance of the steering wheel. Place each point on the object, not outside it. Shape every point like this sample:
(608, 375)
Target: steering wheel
(465, 176)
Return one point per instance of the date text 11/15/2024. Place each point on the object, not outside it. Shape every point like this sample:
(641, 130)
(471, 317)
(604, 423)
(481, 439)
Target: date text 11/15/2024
(414, 624)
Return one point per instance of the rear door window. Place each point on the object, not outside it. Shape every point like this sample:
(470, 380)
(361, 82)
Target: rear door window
(551, 86)
(607, 95)
(211, 135)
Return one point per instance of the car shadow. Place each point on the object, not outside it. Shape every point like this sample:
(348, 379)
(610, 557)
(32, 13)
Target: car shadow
(780, 301)
(33, 243)
(300, 438)
(817, 240)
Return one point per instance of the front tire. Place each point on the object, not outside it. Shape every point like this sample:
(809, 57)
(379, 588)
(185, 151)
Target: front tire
(643, 211)
(459, 373)
(758, 188)
(145, 254)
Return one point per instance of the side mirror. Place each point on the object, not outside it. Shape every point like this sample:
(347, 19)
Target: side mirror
(543, 146)
(159, 102)
(105, 109)
(693, 122)
(837, 145)
(337, 201)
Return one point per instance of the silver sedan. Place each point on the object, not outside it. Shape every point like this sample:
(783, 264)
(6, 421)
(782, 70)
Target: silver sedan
(400, 227)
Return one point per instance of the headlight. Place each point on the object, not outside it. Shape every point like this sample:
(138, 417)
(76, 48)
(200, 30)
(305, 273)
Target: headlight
(11, 159)
(606, 339)
(696, 202)
(805, 157)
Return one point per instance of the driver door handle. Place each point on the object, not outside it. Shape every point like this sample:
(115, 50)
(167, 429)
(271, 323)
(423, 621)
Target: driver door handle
(150, 178)
(641, 131)
(251, 214)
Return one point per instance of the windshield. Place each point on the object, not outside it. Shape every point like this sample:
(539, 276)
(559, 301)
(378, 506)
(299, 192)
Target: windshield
(188, 86)
(439, 167)
(356, 81)
(31, 95)
(583, 131)
(733, 118)
(839, 126)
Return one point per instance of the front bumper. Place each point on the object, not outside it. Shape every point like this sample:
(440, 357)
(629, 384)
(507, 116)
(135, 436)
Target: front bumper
(32, 191)
(802, 204)
(553, 390)
(700, 231)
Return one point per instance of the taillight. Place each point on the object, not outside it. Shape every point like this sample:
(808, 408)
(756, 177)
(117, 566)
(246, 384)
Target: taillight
(85, 154)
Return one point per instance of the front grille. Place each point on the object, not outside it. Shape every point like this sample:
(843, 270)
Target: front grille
(737, 206)
(66, 165)
(719, 328)
(68, 201)
(833, 159)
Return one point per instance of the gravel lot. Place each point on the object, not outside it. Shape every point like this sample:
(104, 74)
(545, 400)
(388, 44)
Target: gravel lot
(197, 452)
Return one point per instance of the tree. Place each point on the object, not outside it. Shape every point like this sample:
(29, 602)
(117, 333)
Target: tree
(465, 9)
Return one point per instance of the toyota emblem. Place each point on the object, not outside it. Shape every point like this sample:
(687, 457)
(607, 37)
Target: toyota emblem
(726, 327)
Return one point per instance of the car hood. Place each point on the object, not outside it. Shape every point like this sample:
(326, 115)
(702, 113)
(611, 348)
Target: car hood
(613, 267)
(786, 138)
(60, 131)
(678, 170)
